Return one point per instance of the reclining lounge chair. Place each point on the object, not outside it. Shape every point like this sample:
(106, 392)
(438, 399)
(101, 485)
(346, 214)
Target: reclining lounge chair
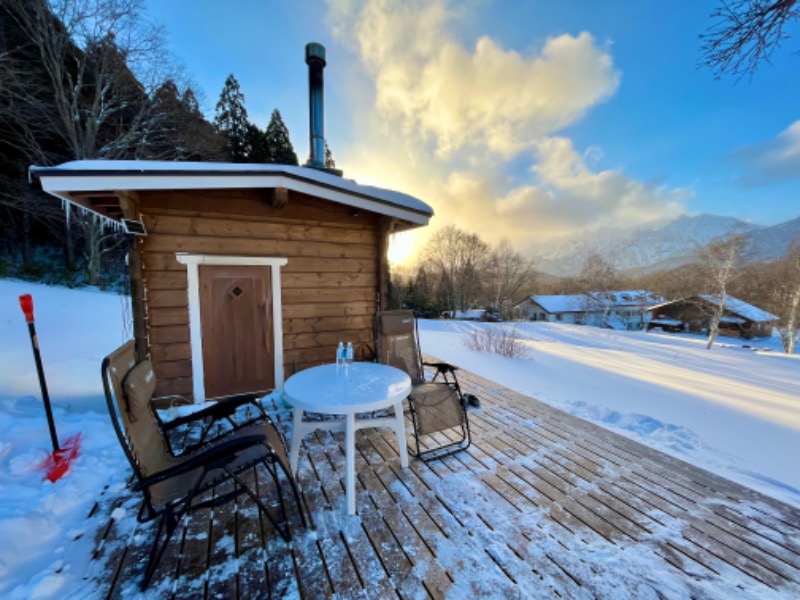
(174, 485)
(436, 406)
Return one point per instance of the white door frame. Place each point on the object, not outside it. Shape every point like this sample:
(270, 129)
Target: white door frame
(193, 262)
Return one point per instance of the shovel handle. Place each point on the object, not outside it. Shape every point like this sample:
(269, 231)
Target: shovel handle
(26, 303)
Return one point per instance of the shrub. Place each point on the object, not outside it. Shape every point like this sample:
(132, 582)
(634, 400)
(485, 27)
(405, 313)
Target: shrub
(498, 340)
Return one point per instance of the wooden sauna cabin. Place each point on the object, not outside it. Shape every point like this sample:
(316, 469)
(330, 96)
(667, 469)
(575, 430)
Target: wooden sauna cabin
(243, 273)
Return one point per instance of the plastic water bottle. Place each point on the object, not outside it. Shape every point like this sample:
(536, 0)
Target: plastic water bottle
(348, 357)
(340, 352)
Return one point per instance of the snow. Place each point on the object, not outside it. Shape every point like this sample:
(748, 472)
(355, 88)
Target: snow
(742, 308)
(734, 410)
(143, 167)
(564, 303)
(622, 298)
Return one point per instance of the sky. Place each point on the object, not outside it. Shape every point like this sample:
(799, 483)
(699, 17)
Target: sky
(518, 120)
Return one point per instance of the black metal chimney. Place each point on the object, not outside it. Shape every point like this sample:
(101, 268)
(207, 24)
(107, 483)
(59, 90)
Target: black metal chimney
(315, 59)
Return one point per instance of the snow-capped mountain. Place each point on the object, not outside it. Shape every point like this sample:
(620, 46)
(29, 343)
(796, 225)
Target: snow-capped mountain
(662, 245)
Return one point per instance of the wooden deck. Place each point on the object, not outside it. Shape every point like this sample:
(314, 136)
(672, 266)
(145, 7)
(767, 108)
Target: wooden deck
(542, 505)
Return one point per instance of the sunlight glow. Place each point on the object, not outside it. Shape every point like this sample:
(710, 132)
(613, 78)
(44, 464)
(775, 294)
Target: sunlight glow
(401, 248)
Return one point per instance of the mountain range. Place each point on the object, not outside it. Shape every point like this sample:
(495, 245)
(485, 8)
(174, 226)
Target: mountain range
(662, 245)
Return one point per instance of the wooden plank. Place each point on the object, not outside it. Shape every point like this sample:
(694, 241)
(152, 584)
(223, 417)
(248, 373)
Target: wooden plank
(322, 310)
(222, 547)
(161, 261)
(254, 229)
(254, 203)
(249, 543)
(174, 369)
(326, 339)
(255, 247)
(323, 324)
(158, 316)
(170, 352)
(193, 561)
(327, 280)
(174, 387)
(343, 295)
(300, 264)
(170, 334)
(344, 573)
(166, 280)
(167, 299)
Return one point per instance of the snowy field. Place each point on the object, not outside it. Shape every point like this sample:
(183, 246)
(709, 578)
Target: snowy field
(732, 410)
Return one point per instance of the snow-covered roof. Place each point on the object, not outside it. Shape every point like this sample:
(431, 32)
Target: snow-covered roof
(742, 309)
(628, 297)
(564, 303)
(110, 175)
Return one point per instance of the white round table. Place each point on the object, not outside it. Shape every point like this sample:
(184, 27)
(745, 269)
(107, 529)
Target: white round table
(362, 387)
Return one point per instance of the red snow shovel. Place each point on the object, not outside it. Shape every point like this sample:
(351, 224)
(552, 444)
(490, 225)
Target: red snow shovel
(55, 465)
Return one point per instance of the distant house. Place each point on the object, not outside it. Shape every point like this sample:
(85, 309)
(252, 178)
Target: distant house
(739, 319)
(618, 309)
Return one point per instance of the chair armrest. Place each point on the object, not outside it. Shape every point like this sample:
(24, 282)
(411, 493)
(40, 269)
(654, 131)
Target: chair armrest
(219, 453)
(441, 367)
(219, 410)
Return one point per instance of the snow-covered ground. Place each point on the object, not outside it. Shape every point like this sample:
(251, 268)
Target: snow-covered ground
(732, 410)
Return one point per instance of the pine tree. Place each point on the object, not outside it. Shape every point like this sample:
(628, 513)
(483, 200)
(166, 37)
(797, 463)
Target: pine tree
(231, 120)
(278, 144)
(329, 162)
(257, 142)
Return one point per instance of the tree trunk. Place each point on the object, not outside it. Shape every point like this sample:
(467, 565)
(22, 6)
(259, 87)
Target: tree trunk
(713, 328)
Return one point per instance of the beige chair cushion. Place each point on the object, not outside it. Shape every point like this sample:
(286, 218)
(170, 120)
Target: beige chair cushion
(144, 434)
(139, 387)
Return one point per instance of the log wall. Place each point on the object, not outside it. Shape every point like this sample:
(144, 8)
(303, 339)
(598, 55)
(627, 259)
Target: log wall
(329, 285)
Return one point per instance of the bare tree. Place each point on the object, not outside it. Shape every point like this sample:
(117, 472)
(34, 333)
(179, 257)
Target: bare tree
(785, 297)
(457, 258)
(597, 274)
(78, 82)
(745, 33)
(507, 274)
(721, 260)
(100, 60)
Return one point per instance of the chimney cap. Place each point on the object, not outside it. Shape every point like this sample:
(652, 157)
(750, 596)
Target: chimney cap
(315, 51)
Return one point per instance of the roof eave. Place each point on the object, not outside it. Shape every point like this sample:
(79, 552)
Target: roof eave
(61, 182)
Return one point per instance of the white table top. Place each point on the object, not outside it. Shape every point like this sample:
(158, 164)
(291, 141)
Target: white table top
(336, 390)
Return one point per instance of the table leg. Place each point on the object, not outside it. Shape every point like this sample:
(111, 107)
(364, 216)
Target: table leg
(298, 432)
(400, 432)
(350, 462)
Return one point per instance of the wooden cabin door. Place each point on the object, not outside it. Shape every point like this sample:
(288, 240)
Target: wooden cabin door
(236, 322)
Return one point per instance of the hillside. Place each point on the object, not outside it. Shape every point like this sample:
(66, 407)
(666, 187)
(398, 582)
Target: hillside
(662, 245)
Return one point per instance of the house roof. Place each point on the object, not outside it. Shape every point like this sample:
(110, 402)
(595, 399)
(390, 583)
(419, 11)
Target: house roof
(594, 301)
(628, 297)
(742, 309)
(565, 303)
(80, 181)
(734, 306)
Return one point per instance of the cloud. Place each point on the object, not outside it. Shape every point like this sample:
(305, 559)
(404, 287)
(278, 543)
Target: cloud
(472, 129)
(486, 97)
(777, 159)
